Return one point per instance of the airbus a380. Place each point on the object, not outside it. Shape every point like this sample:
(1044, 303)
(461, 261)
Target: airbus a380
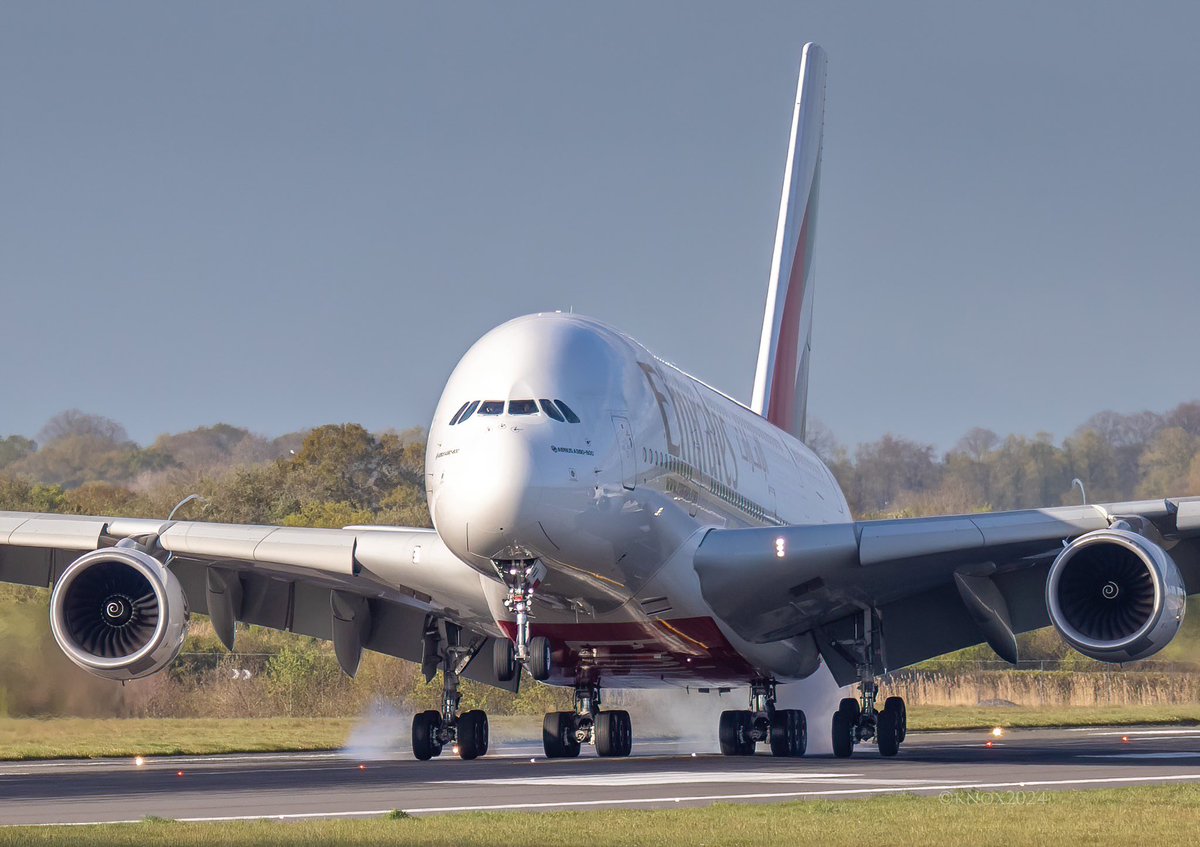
(605, 519)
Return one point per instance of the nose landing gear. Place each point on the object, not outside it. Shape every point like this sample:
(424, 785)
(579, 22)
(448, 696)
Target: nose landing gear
(522, 576)
(785, 730)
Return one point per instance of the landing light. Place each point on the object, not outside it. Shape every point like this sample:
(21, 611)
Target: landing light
(997, 732)
(138, 761)
(780, 547)
(455, 749)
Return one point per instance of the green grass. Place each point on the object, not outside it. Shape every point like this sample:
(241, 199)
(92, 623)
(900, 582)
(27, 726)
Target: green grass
(84, 738)
(1144, 815)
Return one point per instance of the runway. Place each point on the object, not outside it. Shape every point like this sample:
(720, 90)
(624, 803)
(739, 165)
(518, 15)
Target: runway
(661, 773)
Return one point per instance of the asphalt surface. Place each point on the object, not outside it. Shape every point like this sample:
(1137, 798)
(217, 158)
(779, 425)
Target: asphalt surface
(661, 773)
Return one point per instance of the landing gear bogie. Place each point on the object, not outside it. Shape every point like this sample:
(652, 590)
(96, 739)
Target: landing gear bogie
(785, 731)
(565, 733)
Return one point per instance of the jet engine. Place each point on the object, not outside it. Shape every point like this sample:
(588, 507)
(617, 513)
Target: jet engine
(1115, 595)
(119, 613)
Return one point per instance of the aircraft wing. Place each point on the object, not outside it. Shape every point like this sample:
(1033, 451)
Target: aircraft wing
(939, 584)
(375, 588)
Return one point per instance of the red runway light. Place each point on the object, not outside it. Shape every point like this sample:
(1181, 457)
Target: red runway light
(988, 744)
(1124, 739)
(179, 773)
(362, 767)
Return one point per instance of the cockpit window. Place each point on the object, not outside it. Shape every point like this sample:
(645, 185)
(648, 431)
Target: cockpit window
(566, 410)
(522, 407)
(550, 409)
(469, 411)
(461, 409)
(492, 407)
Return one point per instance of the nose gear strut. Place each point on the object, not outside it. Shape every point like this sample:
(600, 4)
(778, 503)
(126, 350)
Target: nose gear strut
(522, 577)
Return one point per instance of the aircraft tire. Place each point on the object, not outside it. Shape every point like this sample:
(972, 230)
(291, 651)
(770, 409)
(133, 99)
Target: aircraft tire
(896, 704)
(614, 733)
(539, 658)
(473, 734)
(504, 660)
(887, 732)
(789, 733)
(843, 739)
(425, 743)
(558, 735)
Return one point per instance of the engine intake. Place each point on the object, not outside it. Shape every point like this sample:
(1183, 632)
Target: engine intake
(1115, 596)
(119, 613)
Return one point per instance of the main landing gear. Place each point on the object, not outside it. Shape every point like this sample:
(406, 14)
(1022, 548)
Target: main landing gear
(565, 733)
(858, 720)
(785, 730)
(433, 730)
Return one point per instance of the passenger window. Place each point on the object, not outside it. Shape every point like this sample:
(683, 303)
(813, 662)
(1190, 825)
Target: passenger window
(566, 410)
(492, 407)
(470, 411)
(461, 409)
(551, 410)
(522, 407)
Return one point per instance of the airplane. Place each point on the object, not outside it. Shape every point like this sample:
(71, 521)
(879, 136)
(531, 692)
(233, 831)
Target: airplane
(603, 519)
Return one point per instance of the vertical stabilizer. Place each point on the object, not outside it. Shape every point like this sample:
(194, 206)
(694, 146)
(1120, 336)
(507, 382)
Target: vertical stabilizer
(781, 379)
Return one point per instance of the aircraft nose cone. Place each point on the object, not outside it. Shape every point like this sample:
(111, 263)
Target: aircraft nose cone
(489, 507)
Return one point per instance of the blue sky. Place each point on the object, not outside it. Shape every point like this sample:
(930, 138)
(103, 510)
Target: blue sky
(286, 214)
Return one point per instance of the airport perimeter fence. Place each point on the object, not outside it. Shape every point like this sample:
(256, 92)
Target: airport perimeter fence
(1174, 686)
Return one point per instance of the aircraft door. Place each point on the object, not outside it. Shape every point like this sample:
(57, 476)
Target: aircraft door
(625, 447)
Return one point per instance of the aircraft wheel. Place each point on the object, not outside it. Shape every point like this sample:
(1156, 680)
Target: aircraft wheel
(425, 741)
(843, 734)
(473, 734)
(614, 733)
(735, 733)
(504, 659)
(558, 735)
(887, 732)
(789, 733)
(896, 704)
(853, 710)
(539, 658)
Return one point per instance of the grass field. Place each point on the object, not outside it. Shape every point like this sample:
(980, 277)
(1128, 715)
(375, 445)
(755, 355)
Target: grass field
(1158, 815)
(28, 738)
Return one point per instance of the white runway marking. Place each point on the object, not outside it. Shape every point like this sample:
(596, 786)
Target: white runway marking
(630, 801)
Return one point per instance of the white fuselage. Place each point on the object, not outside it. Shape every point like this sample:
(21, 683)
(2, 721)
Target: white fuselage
(615, 504)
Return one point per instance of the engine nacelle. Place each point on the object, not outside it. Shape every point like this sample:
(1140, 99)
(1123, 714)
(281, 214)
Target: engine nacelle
(1115, 596)
(119, 613)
